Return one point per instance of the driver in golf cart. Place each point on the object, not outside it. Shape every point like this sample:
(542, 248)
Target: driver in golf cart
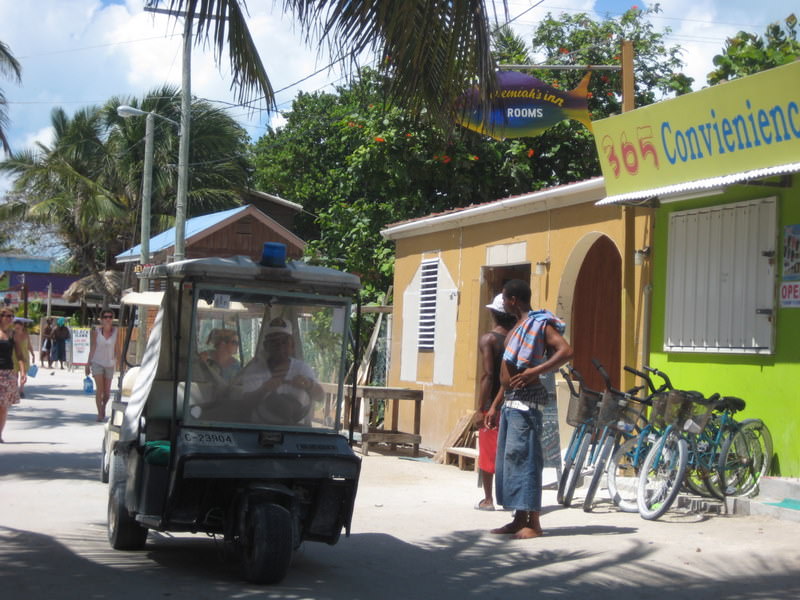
(275, 387)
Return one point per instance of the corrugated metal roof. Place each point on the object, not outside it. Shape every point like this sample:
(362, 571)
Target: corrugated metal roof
(166, 239)
(701, 184)
(554, 197)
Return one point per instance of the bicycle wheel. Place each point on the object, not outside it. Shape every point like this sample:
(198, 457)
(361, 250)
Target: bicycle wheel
(746, 457)
(622, 473)
(701, 474)
(569, 459)
(606, 447)
(661, 476)
(577, 468)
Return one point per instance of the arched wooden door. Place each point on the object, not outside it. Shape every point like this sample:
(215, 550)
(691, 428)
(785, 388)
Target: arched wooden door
(596, 313)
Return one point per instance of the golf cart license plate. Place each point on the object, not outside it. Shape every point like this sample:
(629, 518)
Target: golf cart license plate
(208, 438)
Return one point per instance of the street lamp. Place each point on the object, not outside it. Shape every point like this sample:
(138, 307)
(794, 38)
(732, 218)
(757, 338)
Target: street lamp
(147, 189)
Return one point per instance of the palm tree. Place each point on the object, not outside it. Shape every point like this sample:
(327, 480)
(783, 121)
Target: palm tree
(86, 186)
(62, 186)
(431, 49)
(218, 162)
(8, 66)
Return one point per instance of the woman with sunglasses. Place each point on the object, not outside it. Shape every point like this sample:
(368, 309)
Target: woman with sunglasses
(103, 360)
(221, 361)
(9, 390)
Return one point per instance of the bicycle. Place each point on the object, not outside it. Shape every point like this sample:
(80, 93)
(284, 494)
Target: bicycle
(622, 470)
(745, 458)
(617, 417)
(664, 468)
(581, 414)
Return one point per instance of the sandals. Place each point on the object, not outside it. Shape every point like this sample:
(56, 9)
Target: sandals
(483, 506)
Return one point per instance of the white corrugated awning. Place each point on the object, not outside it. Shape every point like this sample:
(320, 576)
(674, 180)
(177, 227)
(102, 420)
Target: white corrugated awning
(700, 185)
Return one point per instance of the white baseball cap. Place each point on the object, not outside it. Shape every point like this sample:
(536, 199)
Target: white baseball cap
(497, 304)
(279, 325)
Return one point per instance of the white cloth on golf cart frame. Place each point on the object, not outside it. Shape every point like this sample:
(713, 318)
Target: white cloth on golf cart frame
(158, 362)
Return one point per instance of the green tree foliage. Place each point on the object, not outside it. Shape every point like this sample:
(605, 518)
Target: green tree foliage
(567, 151)
(9, 66)
(747, 53)
(85, 187)
(358, 163)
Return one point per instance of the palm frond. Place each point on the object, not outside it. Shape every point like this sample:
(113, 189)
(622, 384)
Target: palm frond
(431, 49)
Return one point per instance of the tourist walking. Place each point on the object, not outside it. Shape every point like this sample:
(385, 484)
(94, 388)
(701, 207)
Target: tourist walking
(9, 390)
(103, 360)
(60, 336)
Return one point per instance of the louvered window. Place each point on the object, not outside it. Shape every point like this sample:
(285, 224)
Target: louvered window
(721, 279)
(427, 304)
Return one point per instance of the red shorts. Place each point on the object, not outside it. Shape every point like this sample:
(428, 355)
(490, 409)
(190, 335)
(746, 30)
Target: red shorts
(487, 449)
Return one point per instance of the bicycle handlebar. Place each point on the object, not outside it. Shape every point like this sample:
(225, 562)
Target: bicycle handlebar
(568, 379)
(603, 373)
(644, 376)
(629, 395)
(667, 383)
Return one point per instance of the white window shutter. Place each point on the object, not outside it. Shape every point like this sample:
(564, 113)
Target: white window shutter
(720, 278)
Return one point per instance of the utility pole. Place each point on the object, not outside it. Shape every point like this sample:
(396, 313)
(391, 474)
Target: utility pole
(629, 244)
(183, 148)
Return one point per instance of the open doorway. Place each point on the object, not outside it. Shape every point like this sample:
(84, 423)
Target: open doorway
(494, 278)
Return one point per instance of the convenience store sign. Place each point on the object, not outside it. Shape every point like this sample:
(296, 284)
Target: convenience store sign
(738, 126)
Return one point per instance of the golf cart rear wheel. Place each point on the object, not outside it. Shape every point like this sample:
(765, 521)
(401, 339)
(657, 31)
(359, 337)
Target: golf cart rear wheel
(124, 533)
(266, 543)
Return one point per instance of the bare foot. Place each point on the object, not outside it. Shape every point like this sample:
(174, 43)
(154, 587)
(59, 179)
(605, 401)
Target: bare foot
(508, 528)
(527, 533)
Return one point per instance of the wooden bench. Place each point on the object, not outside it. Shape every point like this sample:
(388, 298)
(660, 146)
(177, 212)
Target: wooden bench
(467, 457)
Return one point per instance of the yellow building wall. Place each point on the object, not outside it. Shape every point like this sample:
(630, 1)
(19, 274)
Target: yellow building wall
(562, 235)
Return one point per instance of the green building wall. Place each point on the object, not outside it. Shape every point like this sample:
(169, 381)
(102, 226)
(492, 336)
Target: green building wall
(769, 384)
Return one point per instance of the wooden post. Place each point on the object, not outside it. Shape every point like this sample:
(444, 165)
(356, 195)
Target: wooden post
(629, 235)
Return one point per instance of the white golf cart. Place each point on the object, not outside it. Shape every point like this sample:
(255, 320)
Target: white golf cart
(251, 449)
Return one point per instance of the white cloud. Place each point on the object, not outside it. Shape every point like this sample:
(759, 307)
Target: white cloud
(80, 52)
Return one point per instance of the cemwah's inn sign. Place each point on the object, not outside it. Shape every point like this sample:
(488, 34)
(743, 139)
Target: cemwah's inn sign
(524, 106)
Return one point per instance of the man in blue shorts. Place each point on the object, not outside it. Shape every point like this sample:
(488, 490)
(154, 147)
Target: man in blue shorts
(535, 346)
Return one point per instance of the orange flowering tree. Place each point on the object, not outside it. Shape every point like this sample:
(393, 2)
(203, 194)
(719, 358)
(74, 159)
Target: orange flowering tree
(357, 164)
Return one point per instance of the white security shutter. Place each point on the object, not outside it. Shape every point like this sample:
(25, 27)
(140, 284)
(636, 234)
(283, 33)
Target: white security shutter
(430, 312)
(721, 278)
(427, 304)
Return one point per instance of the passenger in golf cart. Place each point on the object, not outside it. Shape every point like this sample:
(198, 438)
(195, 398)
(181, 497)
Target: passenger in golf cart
(274, 388)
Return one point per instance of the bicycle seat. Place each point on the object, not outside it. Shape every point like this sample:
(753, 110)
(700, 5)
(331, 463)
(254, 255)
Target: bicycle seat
(732, 403)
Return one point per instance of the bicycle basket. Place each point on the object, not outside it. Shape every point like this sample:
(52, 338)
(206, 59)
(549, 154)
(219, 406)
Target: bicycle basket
(582, 408)
(658, 410)
(697, 416)
(618, 413)
(676, 409)
(610, 409)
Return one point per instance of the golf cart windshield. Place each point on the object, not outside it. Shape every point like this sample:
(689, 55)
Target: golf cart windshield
(264, 358)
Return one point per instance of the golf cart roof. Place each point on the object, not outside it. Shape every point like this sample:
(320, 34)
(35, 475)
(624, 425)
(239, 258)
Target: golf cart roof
(242, 270)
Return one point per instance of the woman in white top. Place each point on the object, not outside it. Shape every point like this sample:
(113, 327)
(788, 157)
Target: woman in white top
(103, 360)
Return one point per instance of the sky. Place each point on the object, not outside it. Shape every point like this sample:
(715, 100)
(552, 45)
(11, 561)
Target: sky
(76, 53)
